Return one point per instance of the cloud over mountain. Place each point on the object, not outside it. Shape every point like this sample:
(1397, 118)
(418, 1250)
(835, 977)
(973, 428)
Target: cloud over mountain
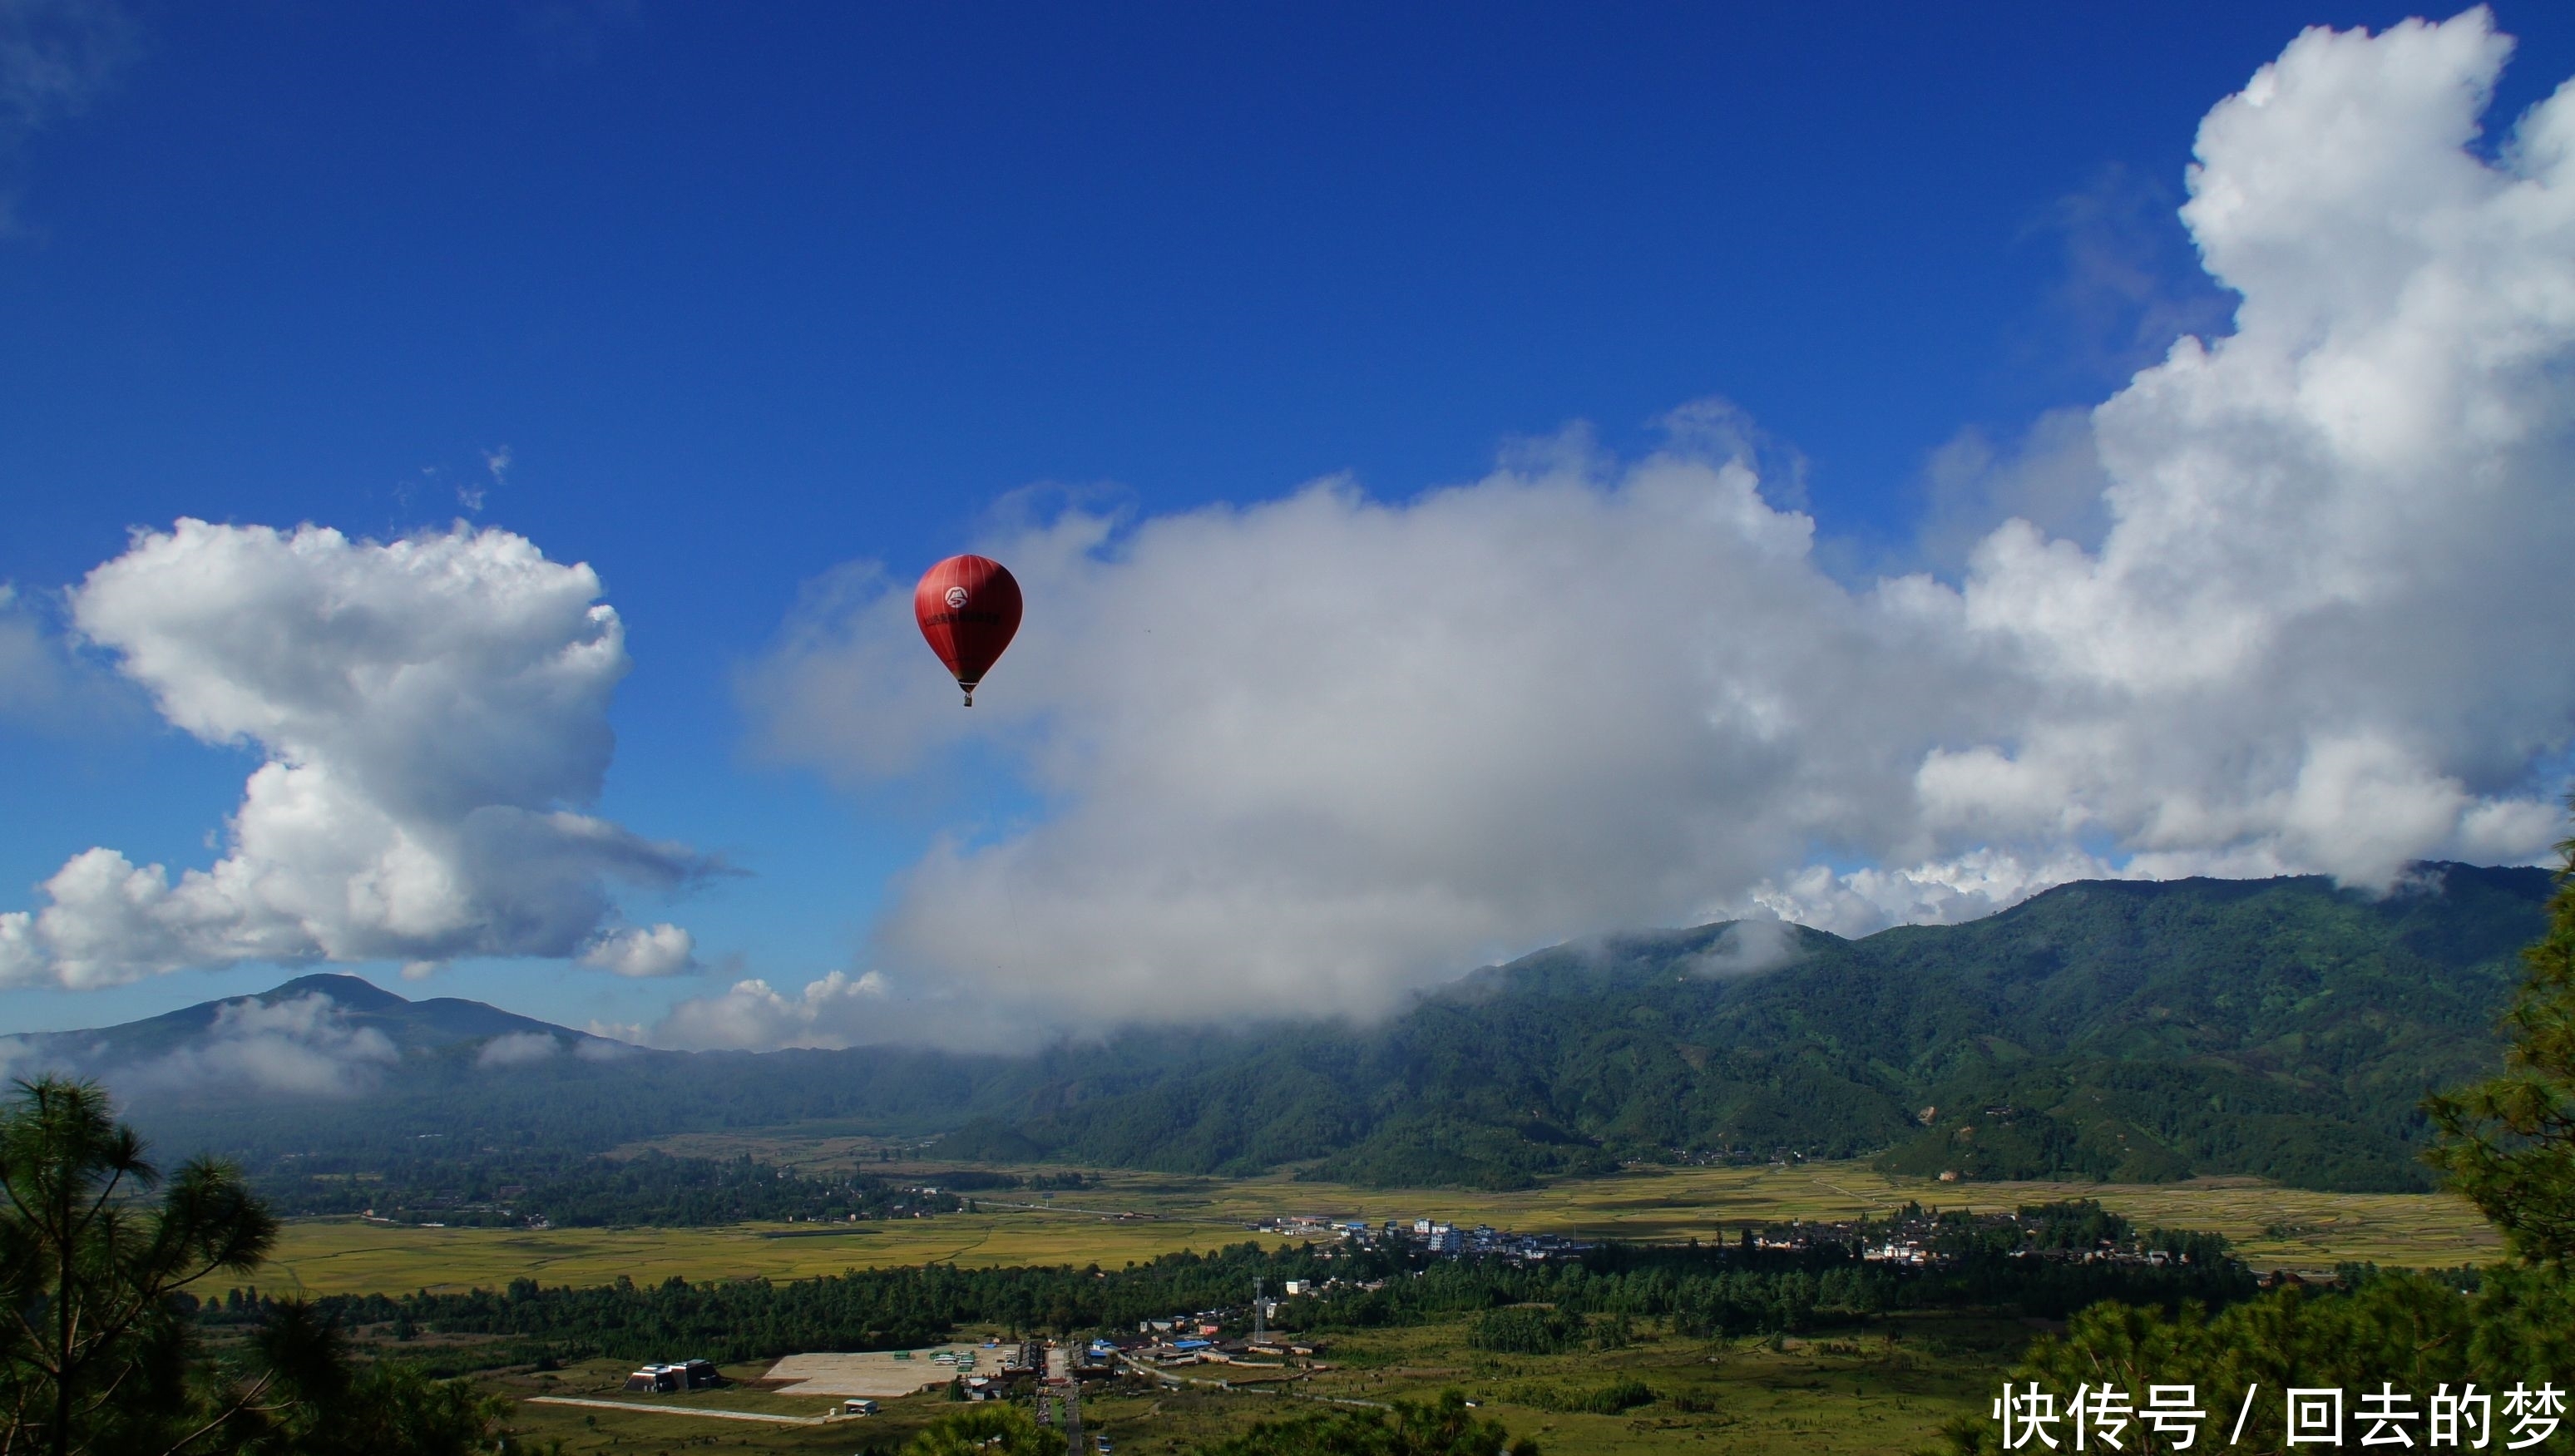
(432, 716)
(304, 1044)
(1304, 754)
(837, 1011)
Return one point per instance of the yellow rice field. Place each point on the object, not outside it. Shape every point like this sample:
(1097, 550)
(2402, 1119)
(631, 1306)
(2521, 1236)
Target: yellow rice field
(2313, 1230)
(1134, 1217)
(349, 1256)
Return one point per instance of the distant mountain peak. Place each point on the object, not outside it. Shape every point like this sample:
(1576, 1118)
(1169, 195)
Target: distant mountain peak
(352, 991)
(273, 1042)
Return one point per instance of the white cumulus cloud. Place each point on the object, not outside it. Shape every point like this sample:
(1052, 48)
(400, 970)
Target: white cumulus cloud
(1306, 755)
(838, 1010)
(662, 949)
(432, 716)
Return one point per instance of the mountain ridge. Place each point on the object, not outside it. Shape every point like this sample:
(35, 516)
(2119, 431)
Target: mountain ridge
(2136, 1030)
(2104, 1028)
(358, 1003)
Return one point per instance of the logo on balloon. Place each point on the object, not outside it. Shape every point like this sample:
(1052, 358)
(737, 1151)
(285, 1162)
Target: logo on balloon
(956, 597)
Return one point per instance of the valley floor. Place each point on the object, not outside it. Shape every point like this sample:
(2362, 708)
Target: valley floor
(1134, 1217)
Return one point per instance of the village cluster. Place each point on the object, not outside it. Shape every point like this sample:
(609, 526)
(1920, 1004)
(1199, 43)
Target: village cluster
(1239, 1337)
(1435, 1237)
(1930, 1239)
(1914, 1236)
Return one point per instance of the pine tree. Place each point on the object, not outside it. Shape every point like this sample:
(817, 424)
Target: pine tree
(2508, 1144)
(96, 1338)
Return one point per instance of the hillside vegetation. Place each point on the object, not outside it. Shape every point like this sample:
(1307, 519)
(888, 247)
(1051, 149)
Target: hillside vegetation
(2132, 1032)
(2135, 1031)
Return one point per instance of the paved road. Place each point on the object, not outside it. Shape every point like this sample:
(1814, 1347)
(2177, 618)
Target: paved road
(1059, 1366)
(677, 1410)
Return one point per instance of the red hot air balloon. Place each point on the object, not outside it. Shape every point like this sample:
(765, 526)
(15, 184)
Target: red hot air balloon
(969, 609)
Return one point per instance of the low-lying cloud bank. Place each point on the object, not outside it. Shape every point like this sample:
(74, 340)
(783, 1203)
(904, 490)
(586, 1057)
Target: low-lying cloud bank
(753, 1014)
(432, 716)
(1307, 755)
(303, 1044)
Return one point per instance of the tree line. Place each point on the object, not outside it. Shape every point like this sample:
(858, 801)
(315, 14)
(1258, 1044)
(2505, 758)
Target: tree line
(649, 1188)
(1708, 1290)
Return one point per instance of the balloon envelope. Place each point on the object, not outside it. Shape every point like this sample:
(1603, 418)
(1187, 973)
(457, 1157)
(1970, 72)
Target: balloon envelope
(968, 610)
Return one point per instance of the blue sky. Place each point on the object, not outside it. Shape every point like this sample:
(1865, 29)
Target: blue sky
(740, 300)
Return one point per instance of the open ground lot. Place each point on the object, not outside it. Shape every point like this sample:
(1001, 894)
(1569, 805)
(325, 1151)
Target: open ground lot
(1136, 1216)
(878, 1373)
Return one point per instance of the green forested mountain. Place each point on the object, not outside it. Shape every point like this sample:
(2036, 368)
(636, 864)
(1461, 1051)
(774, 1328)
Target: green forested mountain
(2105, 1028)
(2134, 1031)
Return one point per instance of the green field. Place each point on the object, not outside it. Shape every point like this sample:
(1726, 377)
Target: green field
(1134, 1217)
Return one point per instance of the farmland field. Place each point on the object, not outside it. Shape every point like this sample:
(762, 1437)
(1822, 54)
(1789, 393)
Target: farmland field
(2272, 1227)
(1139, 1216)
(349, 1256)
(1886, 1387)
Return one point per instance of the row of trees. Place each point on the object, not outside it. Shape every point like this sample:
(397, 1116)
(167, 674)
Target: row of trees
(651, 1190)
